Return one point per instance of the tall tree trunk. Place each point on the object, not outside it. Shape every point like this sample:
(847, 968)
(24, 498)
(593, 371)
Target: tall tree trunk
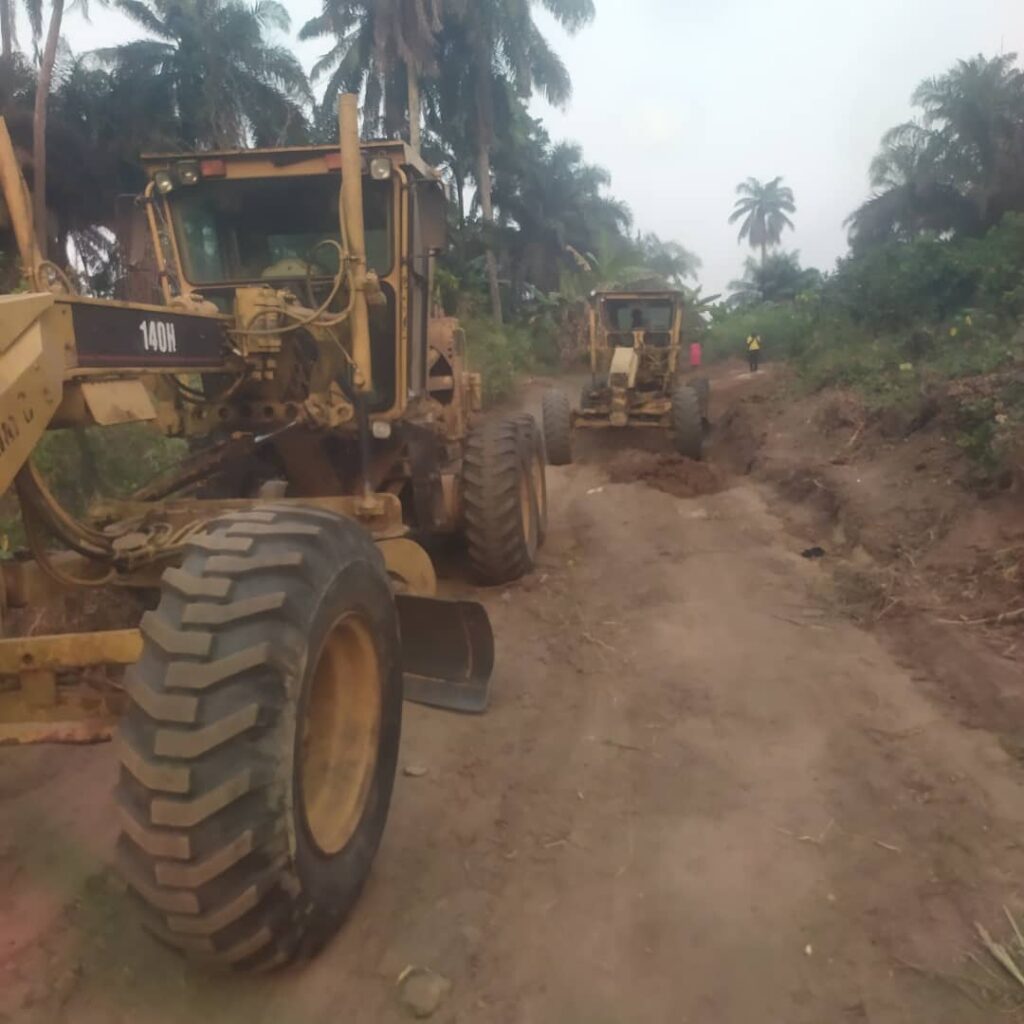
(6, 27)
(39, 125)
(483, 182)
(415, 107)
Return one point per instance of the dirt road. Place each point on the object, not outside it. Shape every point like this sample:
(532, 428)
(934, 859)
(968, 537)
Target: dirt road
(699, 796)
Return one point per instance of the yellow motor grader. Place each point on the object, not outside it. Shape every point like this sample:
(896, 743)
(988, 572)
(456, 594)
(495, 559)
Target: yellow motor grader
(635, 343)
(279, 320)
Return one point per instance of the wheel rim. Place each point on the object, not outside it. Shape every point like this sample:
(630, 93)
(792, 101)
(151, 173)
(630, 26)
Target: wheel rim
(526, 511)
(340, 733)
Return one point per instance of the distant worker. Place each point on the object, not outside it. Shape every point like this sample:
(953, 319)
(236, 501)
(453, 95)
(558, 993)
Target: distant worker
(754, 351)
(696, 355)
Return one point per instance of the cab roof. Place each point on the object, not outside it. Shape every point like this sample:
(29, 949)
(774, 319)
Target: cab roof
(640, 295)
(282, 157)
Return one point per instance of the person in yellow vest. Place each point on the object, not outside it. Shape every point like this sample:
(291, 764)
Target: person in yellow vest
(754, 351)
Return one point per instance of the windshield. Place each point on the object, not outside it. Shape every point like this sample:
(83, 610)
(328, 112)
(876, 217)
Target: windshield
(638, 314)
(233, 231)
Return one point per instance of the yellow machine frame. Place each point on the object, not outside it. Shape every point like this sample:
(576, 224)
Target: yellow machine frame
(635, 377)
(45, 382)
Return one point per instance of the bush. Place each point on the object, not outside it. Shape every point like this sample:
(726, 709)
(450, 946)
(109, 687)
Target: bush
(98, 462)
(500, 353)
(998, 259)
(900, 284)
(898, 320)
(785, 329)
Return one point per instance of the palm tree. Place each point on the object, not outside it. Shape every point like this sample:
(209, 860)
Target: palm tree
(44, 81)
(669, 260)
(763, 208)
(9, 24)
(380, 47)
(46, 63)
(211, 76)
(913, 192)
(476, 58)
(553, 198)
(958, 168)
(975, 113)
(488, 48)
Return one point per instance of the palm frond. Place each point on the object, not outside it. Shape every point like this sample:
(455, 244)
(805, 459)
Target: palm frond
(144, 16)
(272, 14)
(571, 14)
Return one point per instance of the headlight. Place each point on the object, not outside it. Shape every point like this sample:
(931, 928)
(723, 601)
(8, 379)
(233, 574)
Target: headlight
(380, 168)
(380, 429)
(188, 172)
(164, 182)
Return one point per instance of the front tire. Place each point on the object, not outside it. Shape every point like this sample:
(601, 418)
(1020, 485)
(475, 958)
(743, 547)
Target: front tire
(687, 422)
(703, 388)
(500, 506)
(258, 753)
(557, 416)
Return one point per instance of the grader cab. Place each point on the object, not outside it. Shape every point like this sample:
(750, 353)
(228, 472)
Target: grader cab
(636, 375)
(279, 320)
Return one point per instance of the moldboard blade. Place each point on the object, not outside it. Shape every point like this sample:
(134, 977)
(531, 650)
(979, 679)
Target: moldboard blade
(447, 653)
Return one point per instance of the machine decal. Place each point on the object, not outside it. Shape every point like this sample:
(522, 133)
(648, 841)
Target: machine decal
(122, 336)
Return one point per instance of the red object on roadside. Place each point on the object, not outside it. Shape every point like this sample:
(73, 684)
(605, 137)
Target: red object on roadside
(695, 354)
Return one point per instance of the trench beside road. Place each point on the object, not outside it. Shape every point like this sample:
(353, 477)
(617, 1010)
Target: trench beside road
(700, 795)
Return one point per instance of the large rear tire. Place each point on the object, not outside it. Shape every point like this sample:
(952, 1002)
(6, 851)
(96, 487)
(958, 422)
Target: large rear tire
(557, 416)
(687, 422)
(259, 749)
(500, 506)
(533, 442)
(703, 388)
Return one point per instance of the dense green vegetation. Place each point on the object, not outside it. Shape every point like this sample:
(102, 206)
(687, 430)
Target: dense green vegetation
(531, 217)
(933, 287)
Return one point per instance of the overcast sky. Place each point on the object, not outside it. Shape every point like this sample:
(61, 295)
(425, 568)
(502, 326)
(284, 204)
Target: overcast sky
(681, 100)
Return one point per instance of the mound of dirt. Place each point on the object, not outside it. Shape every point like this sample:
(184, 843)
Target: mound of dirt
(738, 437)
(673, 474)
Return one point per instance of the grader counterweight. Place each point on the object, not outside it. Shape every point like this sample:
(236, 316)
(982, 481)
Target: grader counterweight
(281, 324)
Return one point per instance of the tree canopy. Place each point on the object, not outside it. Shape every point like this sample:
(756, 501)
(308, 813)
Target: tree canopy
(530, 213)
(958, 167)
(762, 208)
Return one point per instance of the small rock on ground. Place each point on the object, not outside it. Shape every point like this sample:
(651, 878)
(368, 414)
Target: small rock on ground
(422, 991)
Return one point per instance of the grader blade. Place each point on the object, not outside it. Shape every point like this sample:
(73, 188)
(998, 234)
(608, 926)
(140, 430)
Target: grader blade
(447, 653)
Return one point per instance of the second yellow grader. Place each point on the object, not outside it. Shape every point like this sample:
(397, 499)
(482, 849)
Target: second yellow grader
(636, 375)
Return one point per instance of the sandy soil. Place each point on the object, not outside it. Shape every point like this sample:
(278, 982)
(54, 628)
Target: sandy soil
(700, 795)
